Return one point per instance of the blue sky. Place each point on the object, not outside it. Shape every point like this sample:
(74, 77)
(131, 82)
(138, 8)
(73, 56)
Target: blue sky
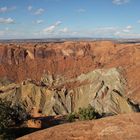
(69, 18)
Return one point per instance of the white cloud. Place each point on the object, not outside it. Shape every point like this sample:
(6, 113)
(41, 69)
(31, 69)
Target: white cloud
(38, 21)
(127, 29)
(127, 35)
(120, 2)
(103, 31)
(64, 30)
(11, 34)
(6, 9)
(29, 8)
(55, 31)
(113, 31)
(3, 9)
(121, 32)
(51, 28)
(57, 23)
(81, 10)
(110, 31)
(6, 21)
(39, 11)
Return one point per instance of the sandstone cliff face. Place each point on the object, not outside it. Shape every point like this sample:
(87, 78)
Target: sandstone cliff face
(21, 61)
(58, 78)
(103, 89)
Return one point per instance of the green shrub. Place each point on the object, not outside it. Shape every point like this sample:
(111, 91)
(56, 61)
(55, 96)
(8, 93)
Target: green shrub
(88, 113)
(71, 117)
(11, 115)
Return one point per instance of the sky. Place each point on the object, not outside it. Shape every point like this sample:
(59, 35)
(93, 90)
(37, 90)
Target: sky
(28, 19)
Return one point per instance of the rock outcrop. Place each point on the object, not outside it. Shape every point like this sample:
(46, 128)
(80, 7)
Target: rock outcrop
(22, 61)
(104, 89)
(120, 127)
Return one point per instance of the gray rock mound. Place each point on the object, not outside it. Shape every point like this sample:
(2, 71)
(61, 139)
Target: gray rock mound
(104, 89)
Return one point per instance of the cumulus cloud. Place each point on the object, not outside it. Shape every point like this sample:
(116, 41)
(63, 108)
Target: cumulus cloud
(6, 21)
(120, 2)
(51, 28)
(39, 11)
(55, 31)
(6, 9)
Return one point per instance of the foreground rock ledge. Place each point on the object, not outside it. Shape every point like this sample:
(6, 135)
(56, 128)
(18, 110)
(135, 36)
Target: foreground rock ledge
(120, 127)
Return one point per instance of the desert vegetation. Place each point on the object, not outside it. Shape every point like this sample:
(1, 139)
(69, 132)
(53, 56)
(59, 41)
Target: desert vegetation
(10, 116)
(87, 113)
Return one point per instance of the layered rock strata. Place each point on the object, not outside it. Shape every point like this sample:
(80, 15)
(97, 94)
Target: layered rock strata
(22, 61)
(103, 89)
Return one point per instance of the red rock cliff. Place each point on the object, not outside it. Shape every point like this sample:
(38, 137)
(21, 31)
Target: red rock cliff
(21, 61)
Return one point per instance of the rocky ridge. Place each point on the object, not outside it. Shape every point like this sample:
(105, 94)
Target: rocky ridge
(103, 89)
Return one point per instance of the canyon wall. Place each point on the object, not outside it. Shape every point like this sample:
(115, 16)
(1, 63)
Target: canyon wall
(21, 61)
(58, 78)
